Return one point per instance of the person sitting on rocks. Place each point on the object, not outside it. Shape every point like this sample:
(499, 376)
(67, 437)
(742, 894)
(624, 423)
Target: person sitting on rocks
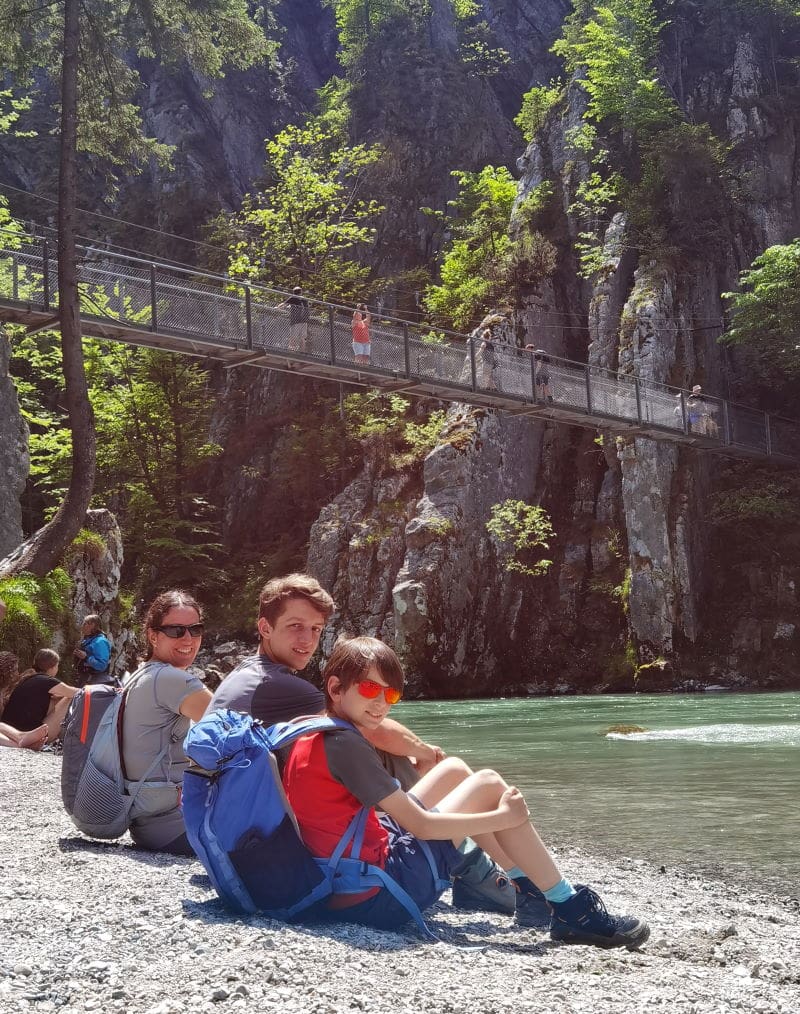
(329, 777)
(33, 738)
(39, 699)
(163, 697)
(292, 614)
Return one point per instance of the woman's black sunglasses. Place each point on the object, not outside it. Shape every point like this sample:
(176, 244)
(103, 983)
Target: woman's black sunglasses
(176, 630)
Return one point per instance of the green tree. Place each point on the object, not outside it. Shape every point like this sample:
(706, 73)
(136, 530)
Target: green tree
(645, 160)
(470, 277)
(85, 45)
(614, 51)
(359, 21)
(766, 311)
(522, 529)
(152, 411)
(536, 104)
(311, 221)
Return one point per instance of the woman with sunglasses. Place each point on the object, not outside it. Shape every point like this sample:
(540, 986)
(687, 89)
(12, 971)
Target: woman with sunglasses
(163, 697)
(330, 777)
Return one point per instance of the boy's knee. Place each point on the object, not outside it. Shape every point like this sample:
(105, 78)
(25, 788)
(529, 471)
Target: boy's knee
(455, 766)
(491, 778)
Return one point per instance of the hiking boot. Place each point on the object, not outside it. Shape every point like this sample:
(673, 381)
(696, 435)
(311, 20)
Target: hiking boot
(533, 910)
(480, 885)
(583, 919)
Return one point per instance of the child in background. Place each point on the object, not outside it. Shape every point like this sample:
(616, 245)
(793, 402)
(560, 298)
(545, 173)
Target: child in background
(329, 777)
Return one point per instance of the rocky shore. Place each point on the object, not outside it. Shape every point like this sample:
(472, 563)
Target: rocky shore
(104, 927)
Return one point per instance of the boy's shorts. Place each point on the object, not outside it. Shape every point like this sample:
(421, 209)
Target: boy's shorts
(408, 865)
(361, 348)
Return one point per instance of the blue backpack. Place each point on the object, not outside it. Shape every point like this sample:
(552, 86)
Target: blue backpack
(240, 824)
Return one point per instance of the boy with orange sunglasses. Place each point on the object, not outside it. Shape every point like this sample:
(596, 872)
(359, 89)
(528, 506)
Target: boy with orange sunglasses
(329, 778)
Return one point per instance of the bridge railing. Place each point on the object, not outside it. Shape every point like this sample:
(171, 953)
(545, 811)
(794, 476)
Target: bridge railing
(205, 309)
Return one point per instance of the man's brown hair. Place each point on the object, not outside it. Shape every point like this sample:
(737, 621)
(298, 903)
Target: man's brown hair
(276, 594)
(352, 658)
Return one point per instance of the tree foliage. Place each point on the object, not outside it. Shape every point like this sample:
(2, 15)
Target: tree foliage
(479, 225)
(523, 530)
(313, 218)
(207, 35)
(645, 160)
(614, 52)
(152, 411)
(82, 49)
(483, 262)
(766, 310)
(35, 609)
(359, 21)
(536, 104)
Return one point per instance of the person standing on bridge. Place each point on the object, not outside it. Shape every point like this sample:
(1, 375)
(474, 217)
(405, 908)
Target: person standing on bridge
(297, 305)
(489, 360)
(362, 319)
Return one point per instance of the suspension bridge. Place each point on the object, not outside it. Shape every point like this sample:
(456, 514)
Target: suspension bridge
(132, 299)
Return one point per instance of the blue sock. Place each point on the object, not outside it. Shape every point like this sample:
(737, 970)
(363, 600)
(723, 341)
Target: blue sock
(562, 891)
(514, 873)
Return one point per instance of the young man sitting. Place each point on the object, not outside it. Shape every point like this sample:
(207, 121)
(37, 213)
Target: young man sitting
(329, 777)
(292, 614)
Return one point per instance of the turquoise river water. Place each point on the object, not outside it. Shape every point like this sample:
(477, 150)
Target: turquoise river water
(714, 781)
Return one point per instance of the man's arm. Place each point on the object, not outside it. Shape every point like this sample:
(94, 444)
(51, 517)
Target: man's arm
(392, 737)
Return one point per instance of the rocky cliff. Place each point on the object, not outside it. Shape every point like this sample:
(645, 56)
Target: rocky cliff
(13, 457)
(643, 592)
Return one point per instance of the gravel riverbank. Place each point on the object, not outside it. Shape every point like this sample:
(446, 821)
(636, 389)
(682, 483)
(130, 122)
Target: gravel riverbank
(104, 927)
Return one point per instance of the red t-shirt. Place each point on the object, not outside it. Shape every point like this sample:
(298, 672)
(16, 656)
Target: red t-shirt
(360, 330)
(328, 778)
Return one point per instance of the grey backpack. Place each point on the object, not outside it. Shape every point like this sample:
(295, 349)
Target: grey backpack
(94, 786)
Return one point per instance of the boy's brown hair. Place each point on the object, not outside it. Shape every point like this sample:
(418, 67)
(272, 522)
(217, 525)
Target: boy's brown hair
(45, 658)
(351, 658)
(276, 594)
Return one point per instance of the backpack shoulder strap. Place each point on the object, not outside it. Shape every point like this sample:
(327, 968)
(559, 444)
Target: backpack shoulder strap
(284, 733)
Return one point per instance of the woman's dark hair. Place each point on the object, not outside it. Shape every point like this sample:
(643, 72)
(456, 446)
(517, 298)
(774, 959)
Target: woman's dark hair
(175, 598)
(351, 658)
(9, 676)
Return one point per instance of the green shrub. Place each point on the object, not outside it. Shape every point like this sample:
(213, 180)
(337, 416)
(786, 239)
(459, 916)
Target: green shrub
(536, 104)
(35, 609)
(521, 528)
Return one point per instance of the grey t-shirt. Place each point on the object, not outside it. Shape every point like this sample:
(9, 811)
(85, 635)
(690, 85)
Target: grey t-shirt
(268, 691)
(354, 763)
(153, 718)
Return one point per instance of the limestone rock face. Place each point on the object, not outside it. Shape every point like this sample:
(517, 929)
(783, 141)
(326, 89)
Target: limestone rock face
(95, 575)
(13, 457)
(452, 602)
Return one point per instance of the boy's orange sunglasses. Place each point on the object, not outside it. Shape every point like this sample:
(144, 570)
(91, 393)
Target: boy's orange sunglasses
(370, 689)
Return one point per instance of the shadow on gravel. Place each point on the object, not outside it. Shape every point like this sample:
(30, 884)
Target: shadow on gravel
(479, 935)
(124, 849)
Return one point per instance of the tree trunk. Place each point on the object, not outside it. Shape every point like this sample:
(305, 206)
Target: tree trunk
(43, 550)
